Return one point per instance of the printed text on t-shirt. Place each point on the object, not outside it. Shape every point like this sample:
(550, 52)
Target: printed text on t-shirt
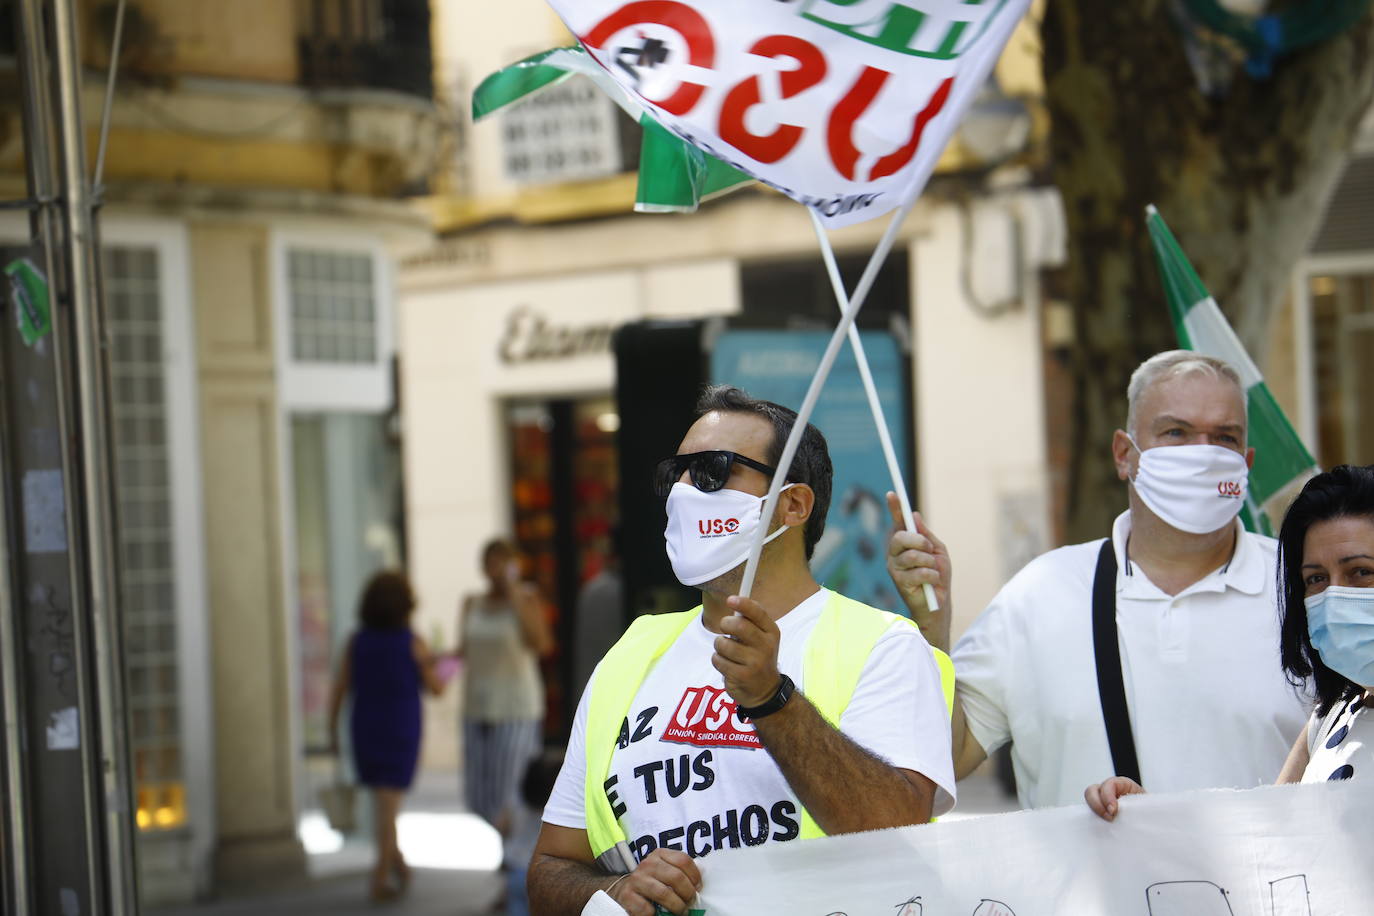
(706, 717)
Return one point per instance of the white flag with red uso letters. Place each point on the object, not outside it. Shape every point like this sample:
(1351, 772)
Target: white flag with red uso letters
(843, 105)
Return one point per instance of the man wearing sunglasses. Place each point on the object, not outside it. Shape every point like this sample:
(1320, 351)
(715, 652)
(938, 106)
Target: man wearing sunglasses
(712, 728)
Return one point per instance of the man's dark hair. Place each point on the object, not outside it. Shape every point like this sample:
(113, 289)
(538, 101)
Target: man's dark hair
(810, 465)
(387, 601)
(1345, 491)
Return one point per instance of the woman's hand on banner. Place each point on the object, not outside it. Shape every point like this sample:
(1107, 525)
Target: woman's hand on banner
(1102, 798)
(748, 652)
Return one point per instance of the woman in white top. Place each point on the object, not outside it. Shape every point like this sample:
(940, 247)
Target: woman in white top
(1326, 594)
(503, 634)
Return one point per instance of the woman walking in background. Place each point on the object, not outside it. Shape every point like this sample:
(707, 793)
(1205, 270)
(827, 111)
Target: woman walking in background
(503, 634)
(385, 667)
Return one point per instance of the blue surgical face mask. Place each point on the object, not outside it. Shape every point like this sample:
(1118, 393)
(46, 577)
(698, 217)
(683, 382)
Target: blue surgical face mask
(1340, 621)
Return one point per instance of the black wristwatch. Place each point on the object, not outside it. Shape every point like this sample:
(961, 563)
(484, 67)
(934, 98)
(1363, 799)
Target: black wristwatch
(771, 705)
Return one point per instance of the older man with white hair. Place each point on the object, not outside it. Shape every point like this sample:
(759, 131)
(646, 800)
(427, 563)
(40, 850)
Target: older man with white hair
(1152, 653)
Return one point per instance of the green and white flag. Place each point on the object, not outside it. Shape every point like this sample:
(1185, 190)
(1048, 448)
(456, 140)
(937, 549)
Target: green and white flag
(844, 106)
(674, 176)
(1282, 462)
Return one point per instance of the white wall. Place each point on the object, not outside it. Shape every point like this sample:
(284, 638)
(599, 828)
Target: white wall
(980, 431)
(453, 387)
(474, 40)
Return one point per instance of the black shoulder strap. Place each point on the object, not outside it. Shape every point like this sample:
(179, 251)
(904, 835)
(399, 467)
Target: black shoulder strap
(1110, 686)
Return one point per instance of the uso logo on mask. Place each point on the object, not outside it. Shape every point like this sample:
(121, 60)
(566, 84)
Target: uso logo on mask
(1231, 489)
(717, 527)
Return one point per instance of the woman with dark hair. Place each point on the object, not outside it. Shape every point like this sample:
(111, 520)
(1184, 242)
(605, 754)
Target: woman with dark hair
(503, 634)
(1326, 589)
(1326, 598)
(385, 666)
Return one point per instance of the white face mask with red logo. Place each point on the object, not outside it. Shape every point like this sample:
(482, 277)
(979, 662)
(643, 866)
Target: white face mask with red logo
(1194, 488)
(709, 534)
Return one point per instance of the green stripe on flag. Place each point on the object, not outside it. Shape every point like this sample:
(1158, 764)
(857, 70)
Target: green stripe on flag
(1282, 461)
(513, 83)
(1285, 456)
(1182, 286)
(674, 176)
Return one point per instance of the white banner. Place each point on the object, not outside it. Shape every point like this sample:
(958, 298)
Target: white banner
(844, 105)
(1275, 851)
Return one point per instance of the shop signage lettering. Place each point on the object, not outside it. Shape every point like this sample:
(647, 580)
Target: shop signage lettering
(529, 338)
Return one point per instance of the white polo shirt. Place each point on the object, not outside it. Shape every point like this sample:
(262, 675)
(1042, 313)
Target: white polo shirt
(1209, 704)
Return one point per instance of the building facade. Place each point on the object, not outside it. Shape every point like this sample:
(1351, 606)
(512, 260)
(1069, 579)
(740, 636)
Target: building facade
(506, 328)
(538, 242)
(253, 215)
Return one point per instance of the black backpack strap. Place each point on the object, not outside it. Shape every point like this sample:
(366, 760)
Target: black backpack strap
(1110, 686)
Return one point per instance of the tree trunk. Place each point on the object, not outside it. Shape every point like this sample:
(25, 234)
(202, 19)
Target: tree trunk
(1242, 181)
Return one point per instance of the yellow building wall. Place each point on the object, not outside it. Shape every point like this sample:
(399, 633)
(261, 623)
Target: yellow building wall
(176, 37)
(151, 155)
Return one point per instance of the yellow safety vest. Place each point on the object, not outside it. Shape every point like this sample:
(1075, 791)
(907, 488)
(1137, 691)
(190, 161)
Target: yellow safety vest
(835, 655)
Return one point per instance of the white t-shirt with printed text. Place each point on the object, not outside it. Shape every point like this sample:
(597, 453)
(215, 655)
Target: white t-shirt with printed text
(688, 774)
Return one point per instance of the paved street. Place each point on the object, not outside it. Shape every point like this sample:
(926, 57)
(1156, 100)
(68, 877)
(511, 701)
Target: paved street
(433, 892)
(453, 854)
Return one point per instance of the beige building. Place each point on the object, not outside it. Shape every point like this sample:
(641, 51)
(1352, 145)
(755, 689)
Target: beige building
(540, 233)
(253, 214)
(541, 237)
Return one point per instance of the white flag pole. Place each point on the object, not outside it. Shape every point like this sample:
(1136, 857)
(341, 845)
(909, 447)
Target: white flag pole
(789, 450)
(871, 390)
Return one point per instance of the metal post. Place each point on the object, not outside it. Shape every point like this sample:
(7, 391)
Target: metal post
(38, 138)
(72, 838)
(97, 521)
(16, 791)
(47, 608)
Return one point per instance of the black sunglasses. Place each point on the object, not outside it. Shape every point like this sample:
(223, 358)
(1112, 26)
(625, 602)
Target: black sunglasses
(709, 470)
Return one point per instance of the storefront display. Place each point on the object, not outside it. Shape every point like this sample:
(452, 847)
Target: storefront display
(563, 479)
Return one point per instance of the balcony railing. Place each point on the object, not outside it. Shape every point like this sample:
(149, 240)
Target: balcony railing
(376, 44)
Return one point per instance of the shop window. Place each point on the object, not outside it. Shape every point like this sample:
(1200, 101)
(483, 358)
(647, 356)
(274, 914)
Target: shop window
(1342, 338)
(333, 307)
(145, 533)
(564, 491)
(346, 487)
(569, 132)
(345, 483)
(796, 293)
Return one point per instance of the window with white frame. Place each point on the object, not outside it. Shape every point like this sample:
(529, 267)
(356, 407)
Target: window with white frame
(333, 308)
(1342, 338)
(147, 563)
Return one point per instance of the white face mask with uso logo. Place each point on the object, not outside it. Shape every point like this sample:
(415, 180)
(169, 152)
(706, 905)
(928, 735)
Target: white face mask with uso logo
(709, 534)
(1194, 488)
